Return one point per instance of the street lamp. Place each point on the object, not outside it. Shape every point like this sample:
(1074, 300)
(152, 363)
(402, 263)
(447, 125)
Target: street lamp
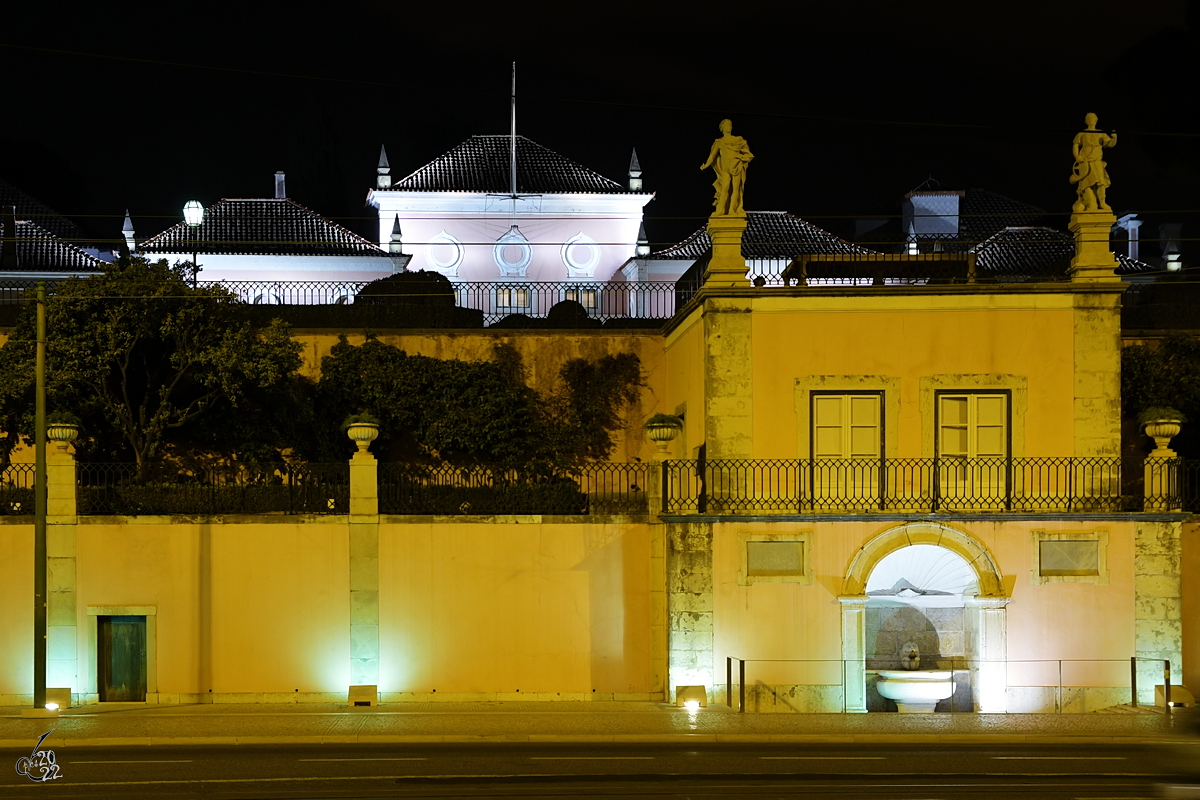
(193, 215)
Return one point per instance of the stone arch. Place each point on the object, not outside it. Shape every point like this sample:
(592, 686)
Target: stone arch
(963, 544)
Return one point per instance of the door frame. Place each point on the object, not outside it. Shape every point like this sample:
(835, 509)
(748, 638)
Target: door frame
(151, 614)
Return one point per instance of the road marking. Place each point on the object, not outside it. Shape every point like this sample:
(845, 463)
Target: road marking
(823, 758)
(363, 759)
(591, 758)
(1059, 758)
(188, 761)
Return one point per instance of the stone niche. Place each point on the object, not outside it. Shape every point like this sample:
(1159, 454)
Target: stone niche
(917, 596)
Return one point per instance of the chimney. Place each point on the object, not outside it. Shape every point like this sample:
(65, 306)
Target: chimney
(1169, 233)
(8, 262)
(635, 173)
(383, 172)
(1130, 224)
(280, 190)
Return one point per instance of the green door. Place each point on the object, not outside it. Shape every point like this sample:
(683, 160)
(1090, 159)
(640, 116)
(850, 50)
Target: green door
(121, 652)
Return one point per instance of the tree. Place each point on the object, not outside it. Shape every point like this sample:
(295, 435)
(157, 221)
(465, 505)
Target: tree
(1165, 376)
(476, 412)
(140, 354)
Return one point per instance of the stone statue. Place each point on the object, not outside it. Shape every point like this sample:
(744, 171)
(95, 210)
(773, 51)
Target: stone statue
(1090, 175)
(728, 158)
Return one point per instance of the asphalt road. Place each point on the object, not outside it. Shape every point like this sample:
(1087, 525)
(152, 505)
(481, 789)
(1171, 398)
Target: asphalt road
(886, 772)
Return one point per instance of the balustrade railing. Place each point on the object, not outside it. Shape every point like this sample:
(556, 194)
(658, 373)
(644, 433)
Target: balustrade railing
(600, 488)
(234, 489)
(16, 489)
(1063, 485)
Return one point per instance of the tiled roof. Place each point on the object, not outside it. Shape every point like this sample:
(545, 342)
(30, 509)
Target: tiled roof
(769, 234)
(38, 212)
(261, 227)
(1034, 252)
(481, 164)
(39, 250)
(983, 213)
(980, 214)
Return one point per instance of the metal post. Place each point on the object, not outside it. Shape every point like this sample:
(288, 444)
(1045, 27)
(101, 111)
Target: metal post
(729, 681)
(1167, 686)
(1133, 678)
(39, 506)
(741, 684)
(1058, 696)
(665, 487)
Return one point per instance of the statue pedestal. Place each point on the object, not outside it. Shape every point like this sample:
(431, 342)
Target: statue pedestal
(1093, 259)
(726, 267)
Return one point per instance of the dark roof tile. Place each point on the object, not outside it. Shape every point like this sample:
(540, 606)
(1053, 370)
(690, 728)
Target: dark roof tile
(769, 234)
(481, 164)
(261, 227)
(39, 250)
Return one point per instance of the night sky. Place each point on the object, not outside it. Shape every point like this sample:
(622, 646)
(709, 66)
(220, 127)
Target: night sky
(846, 110)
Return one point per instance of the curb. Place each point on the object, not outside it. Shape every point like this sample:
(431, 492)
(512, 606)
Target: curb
(662, 738)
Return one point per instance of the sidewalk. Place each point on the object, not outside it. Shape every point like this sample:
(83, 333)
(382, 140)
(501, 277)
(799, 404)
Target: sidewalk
(402, 723)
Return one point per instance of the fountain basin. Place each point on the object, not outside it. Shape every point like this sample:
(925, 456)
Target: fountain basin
(915, 691)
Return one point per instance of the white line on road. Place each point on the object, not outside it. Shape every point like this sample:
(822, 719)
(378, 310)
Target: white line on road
(363, 759)
(1059, 758)
(823, 758)
(188, 761)
(591, 758)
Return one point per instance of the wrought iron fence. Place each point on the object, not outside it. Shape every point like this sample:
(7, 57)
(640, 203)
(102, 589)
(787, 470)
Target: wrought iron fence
(1065, 485)
(601, 488)
(16, 489)
(234, 489)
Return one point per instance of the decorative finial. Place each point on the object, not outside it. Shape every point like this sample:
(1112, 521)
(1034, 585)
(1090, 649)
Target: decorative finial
(1090, 174)
(127, 232)
(729, 158)
(383, 172)
(397, 244)
(635, 173)
(643, 242)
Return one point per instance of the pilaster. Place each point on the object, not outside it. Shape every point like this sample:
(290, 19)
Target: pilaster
(690, 605)
(854, 656)
(62, 645)
(987, 623)
(364, 570)
(1158, 603)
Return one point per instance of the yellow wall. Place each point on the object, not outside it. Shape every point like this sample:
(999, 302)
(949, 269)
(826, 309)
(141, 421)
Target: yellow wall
(506, 607)
(1190, 569)
(16, 607)
(911, 337)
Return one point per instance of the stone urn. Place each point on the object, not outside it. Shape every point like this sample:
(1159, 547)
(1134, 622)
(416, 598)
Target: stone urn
(362, 434)
(1162, 425)
(662, 430)
(62, 434)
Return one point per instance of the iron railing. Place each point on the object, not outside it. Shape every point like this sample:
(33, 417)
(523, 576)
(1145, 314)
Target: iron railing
(600, 488)
(16, 489)
(233, 489)
(1064, 485)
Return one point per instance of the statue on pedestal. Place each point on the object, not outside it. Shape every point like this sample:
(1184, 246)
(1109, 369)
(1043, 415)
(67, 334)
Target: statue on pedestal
(1090, 174)
(728, 158)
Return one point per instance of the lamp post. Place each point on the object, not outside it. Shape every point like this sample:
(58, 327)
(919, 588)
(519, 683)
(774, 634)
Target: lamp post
(193, 215)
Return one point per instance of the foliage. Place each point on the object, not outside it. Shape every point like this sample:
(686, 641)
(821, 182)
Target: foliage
(475, 412)
(1157, 413)
(145, 359)
(664, 420)
(1167, 376)
(361, 418)
(63, 418)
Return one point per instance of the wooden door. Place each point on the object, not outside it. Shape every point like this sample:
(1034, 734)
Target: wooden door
(121, 656)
